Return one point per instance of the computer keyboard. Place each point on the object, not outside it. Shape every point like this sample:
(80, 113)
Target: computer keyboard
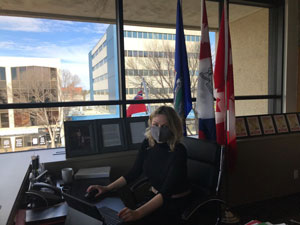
(110, 215)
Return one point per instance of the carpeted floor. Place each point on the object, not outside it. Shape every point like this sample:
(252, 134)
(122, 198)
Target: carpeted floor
(278, 210)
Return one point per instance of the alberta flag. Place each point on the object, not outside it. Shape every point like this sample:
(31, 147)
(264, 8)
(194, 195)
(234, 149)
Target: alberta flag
(182, 91)
(205, 98)
(224, 91)
(136, 108)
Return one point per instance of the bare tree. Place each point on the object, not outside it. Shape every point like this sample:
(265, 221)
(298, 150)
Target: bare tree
(38, 85)
(160, 58)
(68, 84)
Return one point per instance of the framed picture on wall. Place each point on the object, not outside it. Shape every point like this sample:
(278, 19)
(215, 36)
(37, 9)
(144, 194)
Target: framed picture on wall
(280, 124)
(293, 122)
(267, 124)
(240, 127)
(253, 126)
(80, 138)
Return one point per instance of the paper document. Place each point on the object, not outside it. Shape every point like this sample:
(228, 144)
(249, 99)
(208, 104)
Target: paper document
(95, 172)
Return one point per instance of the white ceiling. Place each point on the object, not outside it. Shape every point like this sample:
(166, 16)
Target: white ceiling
(136, 12)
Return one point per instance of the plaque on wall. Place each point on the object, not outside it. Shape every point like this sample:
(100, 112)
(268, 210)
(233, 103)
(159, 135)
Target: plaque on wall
(293, 122)
(281, 124)
(267, 124)
(240, 127)
(253, 126)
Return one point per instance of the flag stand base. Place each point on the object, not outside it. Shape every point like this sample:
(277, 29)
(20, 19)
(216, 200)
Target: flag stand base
(229, 218)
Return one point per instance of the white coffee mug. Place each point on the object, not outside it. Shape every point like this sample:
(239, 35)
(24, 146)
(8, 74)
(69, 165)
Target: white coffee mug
(67, 175)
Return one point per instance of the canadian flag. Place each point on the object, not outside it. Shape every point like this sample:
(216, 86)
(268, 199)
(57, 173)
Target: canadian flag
(224, 91)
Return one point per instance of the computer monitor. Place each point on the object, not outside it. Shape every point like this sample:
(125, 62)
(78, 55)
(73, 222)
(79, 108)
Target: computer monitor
(111, 135)
(135, 131)
(80, 138)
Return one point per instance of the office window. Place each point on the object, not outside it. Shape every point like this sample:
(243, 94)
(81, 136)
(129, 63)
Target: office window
(248, 79)
(69, 77)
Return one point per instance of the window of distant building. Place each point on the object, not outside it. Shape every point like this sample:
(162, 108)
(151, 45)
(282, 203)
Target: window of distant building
(2, 73)
(4, 122)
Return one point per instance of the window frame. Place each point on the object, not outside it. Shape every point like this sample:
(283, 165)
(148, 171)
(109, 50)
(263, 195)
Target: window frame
(275, 61)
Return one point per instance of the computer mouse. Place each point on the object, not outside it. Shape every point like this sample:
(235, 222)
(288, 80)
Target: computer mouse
(91, 195)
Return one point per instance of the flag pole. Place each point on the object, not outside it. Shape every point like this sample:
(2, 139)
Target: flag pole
(228, 217)
(146, 94)
(225, 68)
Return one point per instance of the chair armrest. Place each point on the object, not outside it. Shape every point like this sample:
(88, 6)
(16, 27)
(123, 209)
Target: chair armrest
(138, 184)
(198, 204)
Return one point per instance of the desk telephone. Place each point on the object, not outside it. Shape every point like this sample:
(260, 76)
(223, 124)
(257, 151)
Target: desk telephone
(42, 194)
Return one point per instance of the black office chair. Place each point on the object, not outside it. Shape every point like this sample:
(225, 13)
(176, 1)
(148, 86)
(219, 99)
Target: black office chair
(205, 162)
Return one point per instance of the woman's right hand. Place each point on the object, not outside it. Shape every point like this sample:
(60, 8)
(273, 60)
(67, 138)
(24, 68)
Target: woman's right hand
(101, 189)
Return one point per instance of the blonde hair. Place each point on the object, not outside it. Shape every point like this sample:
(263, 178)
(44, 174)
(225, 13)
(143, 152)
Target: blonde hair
(173, 122)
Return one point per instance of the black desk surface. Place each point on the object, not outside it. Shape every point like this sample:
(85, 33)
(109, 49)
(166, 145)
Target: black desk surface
(77, 189)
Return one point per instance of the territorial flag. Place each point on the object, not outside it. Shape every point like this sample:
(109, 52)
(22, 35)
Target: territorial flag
(224, 91)
(182, 91)
(136, 108)
(205, 98)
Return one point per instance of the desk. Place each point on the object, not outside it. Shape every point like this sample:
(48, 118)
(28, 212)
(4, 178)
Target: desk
(14, 166)
(58, 212)
(13, 169)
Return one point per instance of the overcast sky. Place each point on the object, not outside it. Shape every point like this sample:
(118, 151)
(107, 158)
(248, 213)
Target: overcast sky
(69, 41)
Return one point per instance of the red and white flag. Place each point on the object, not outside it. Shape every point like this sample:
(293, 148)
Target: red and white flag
(136, 108)
(205, 98)
(224, 91)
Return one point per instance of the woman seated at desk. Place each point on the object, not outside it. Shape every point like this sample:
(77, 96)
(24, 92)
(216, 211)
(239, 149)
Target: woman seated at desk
(162, 159)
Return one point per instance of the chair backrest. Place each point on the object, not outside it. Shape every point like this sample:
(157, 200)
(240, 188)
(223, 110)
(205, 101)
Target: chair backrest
(204, 164)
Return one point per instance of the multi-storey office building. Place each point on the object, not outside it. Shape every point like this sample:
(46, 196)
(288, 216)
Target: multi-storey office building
(149, 63)
(28, 80)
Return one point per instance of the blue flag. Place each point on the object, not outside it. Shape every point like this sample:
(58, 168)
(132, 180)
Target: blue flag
(182, 90)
